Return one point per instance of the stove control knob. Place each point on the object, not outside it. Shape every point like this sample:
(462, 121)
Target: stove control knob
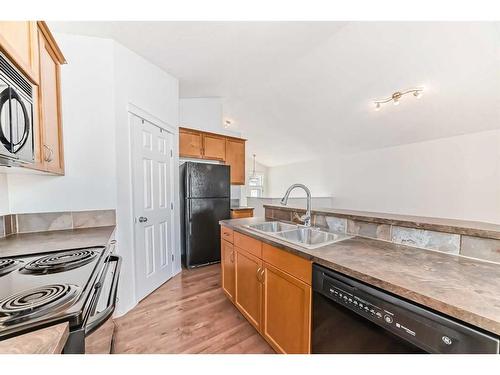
(388, 318)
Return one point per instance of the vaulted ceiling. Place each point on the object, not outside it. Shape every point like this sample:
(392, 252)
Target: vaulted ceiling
(302, 90)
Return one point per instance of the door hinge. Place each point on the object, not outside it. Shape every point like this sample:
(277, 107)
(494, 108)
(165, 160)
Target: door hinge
(172, 206)
(142, 121)
(172, 257)
(171, 153)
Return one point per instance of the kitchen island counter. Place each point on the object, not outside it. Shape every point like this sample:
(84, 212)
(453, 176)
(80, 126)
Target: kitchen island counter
(463, 288)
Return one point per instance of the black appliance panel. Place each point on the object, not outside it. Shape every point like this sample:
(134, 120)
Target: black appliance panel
(202, 229)
(378, 322)
(16, 115)
(207, 180)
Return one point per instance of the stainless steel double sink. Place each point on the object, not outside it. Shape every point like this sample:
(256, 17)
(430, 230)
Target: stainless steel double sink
(307, 237)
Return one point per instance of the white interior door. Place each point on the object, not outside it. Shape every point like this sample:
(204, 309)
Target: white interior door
(153, 205)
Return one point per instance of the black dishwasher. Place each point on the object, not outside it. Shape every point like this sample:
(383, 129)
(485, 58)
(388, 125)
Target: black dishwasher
(352, 317)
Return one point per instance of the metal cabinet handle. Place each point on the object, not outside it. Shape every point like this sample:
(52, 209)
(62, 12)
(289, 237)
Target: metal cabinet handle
(50, 157)
(258, 271)
(231, 258)
(261, 276)
(143, 219)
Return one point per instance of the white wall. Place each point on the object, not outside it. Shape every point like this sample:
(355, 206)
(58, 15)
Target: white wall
(4, 195)
(144, 85)
(204, 114)
(88, 131)
(100, 82)
(456, 177)
(316, 174)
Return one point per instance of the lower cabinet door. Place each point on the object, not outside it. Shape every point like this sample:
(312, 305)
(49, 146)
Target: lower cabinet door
(248, 277)
(286, 320)
(227, 264)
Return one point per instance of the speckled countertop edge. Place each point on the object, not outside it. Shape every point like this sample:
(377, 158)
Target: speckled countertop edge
(469, 315)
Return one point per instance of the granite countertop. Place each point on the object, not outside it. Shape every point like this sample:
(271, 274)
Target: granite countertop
(40, 242)
(50, 340)
(470, 228)
(463, 288)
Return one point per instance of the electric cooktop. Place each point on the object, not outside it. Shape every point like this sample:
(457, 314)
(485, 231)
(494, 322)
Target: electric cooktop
(38, 290)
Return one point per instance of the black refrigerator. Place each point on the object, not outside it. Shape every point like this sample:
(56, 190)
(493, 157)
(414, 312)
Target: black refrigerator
(205, 199)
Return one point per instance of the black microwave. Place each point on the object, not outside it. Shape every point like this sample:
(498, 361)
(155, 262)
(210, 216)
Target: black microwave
(16, 116)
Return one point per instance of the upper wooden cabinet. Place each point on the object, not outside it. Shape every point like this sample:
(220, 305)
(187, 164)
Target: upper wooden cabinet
(202, 145)
(214, 147)
(235, 158)
(49, 120)
(190, 143)
(19, 41)
(32, 48)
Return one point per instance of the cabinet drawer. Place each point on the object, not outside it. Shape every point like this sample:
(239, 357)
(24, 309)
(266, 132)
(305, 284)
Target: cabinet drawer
(287, 262)
(226, 234)
(239, 214)
(248, 244)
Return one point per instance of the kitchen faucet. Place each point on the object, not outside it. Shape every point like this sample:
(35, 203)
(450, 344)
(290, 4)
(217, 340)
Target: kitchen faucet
(307, 217)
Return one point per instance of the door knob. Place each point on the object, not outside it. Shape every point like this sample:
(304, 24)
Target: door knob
(142, 219)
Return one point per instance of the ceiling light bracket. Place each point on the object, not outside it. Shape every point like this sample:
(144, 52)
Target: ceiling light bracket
(396, 96)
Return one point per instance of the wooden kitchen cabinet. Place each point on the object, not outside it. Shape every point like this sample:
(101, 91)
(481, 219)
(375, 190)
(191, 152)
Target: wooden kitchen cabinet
(190, 143)
(227, 265)
(19, 41)
(272, 290)
(210, 146)
(235, 158)
(248, 281)
(214, 147)
(241, 213)
(50, 138)
(286, 314)
(31, 47)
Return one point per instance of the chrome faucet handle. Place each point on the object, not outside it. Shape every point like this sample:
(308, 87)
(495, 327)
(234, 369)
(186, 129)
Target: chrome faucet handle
(306, 219)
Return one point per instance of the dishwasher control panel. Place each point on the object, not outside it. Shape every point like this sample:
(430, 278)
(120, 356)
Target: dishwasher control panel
(362, 305)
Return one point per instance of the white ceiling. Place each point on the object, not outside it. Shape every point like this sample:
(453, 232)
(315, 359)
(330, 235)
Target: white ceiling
(301, 90)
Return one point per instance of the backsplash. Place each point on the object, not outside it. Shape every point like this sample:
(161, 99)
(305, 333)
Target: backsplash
(451, 243)
(50, 221)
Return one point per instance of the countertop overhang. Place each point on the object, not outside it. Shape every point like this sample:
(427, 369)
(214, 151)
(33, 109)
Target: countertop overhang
(462, 288)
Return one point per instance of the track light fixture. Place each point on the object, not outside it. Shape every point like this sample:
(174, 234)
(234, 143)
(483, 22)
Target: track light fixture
(396, 97)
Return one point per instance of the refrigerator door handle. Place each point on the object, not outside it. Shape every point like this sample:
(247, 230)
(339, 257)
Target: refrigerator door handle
(189, 215)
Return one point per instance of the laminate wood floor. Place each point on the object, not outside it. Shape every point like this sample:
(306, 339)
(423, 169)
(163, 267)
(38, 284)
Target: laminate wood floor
(188, 314)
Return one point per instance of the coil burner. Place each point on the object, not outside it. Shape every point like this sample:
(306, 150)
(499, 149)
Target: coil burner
(60, 262)
(36, 301)
(8, 265)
